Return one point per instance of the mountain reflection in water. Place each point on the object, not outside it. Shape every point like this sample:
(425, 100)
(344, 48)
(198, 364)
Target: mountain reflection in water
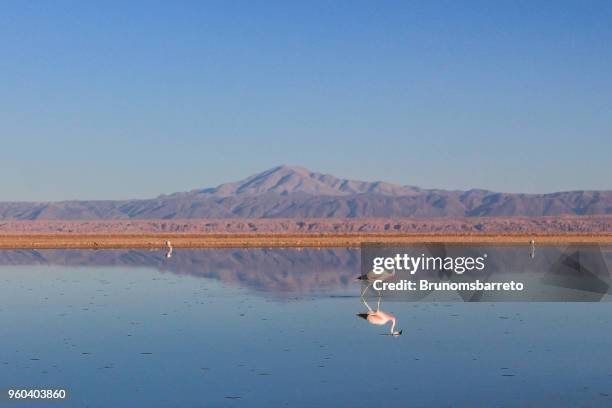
(281, 270)
(278, 270)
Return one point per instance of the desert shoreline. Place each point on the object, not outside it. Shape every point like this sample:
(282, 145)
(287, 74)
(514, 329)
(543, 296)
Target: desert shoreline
(260, 240)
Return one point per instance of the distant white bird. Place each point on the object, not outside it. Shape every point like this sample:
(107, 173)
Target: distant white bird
(169, 246)
(532, 253)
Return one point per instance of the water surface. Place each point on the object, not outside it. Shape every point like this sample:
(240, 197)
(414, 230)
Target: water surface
(279, 328)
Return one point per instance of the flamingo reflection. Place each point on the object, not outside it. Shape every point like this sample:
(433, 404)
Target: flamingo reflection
(372, 276)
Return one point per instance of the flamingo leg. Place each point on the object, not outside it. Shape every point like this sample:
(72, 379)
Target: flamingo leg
(366, 305)
(363, 292)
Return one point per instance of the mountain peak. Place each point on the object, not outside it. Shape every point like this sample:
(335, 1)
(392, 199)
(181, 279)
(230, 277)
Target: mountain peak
(289, 179)
(290, 168)
(298, 193)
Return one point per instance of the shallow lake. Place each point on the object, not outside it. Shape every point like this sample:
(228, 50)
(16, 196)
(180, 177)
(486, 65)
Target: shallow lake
(279, 327)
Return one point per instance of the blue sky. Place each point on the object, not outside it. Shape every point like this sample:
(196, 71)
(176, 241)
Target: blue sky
(134, 99)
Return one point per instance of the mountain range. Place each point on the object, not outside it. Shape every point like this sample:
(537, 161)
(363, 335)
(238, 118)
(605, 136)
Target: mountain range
(295, 192)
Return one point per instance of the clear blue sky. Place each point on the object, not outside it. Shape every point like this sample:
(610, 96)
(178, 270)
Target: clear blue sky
(133, 99)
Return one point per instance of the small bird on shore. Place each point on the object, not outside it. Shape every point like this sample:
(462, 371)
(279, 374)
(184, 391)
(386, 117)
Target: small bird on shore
(169, 247)
(532, 253)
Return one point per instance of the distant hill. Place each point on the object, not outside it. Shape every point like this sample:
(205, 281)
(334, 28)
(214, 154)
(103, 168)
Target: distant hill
(295, 192)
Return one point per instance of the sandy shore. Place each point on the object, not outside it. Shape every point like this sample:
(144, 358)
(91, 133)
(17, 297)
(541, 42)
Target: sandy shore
(157, 240)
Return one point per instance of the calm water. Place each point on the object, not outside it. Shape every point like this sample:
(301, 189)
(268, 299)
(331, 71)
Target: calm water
(265, 328)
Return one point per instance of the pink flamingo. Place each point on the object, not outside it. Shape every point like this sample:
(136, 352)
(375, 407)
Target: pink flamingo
(379, 317)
